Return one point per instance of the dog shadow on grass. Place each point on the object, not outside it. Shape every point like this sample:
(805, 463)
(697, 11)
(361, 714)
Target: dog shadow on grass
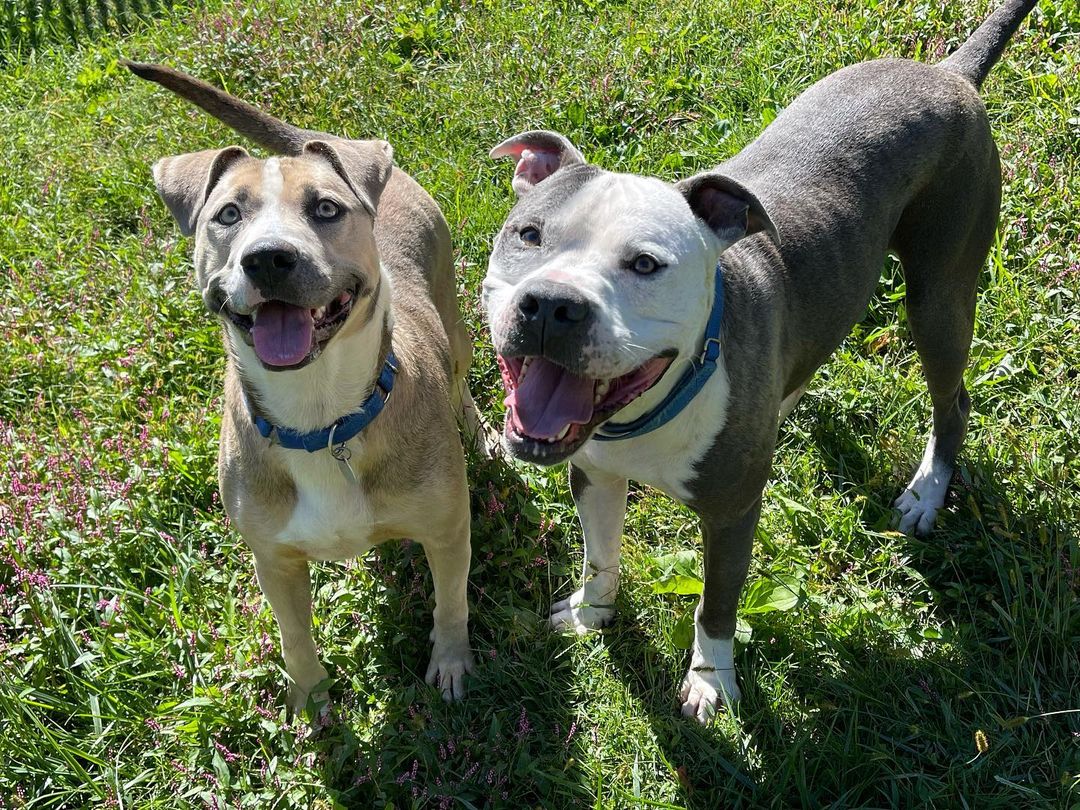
(845, 713)
(884, 700)
(514, 737)
(876, 703)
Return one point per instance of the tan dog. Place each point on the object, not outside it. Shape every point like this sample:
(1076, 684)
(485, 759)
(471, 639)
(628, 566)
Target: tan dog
(331, 270)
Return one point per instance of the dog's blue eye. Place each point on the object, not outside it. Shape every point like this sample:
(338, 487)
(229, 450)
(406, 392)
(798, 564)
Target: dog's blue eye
(229, 215)
(645, 264)
(327, 209)
(530, 236)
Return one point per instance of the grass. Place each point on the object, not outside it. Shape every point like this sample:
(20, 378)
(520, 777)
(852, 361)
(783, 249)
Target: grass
(25, 25)
(139, 663)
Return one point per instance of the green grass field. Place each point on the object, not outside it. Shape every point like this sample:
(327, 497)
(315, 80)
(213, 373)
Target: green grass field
(139, 665)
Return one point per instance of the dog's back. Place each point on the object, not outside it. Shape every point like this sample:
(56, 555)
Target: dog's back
(888, 155)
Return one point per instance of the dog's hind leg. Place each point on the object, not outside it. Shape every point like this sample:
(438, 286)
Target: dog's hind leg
(942, 254)
(478, 433)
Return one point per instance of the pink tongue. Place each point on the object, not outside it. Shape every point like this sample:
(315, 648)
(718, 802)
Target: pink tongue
(549, 399)
(282, 333)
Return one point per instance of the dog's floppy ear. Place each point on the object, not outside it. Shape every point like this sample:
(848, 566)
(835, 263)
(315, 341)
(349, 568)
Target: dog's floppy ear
(364, 165)
(539, 155)
(726, 206)
(185, 181)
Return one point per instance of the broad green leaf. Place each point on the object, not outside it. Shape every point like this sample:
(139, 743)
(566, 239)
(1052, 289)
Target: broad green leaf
(682, 634)
(792, 506)
(677, 573)
(768, 595)
(682, 585)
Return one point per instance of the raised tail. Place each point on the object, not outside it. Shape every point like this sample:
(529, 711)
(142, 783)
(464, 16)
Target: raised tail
(248, 120)
(974, 59)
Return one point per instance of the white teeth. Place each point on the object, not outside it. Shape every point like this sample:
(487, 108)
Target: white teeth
(524, 368)
(601, 392)
(562, 434)
(320, 313)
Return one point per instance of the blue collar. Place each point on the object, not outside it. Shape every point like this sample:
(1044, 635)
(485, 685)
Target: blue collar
(343, 429)
(688, 386)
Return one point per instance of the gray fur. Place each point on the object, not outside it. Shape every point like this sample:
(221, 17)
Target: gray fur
(885, 156)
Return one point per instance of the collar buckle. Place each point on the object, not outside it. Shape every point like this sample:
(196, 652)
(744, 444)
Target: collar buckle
(340, 451)
(711, 350)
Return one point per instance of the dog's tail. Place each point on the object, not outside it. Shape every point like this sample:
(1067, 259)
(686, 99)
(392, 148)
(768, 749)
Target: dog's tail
(248, 120)
(974, 59)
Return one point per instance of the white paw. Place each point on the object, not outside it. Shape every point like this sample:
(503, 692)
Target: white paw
(704, 691)
(577, 615)
(484, 439)
(304, 689)
(447, 670)
(488, 442)
(918, 504)
(917, 513)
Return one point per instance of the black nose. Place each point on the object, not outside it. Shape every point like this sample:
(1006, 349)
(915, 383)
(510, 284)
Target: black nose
(558, 306)
(553, 314)
(269, 261)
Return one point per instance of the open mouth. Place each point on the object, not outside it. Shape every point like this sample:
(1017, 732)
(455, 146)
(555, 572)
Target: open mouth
(286, 336)
(551, 412)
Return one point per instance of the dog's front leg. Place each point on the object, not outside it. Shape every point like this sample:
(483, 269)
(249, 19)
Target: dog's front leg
(601, 505)
(286, 584)
(711, 678)
(448, 555)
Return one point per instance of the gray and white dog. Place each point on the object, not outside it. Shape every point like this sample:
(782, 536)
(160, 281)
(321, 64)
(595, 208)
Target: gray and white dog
(655, 331)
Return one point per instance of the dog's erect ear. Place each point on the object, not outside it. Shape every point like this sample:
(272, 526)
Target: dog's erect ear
(364, 165)
(726, 206)
(539, 155)
(185, 181)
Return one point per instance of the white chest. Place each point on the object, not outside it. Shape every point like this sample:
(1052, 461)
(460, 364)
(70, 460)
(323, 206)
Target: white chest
(666, 458)
(332, 519)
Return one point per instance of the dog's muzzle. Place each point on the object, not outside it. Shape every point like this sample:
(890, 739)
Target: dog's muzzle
(289, 321)
(551, 411)
(552, 403)
(549, 319)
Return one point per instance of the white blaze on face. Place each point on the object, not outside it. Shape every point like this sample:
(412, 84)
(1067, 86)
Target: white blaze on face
(273, 180)
(269, 219)
(617, 219)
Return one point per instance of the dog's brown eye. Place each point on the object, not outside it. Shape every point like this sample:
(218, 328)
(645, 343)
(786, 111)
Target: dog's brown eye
(530, 236)
(645, 264)
(327, 210)
(229, 215)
